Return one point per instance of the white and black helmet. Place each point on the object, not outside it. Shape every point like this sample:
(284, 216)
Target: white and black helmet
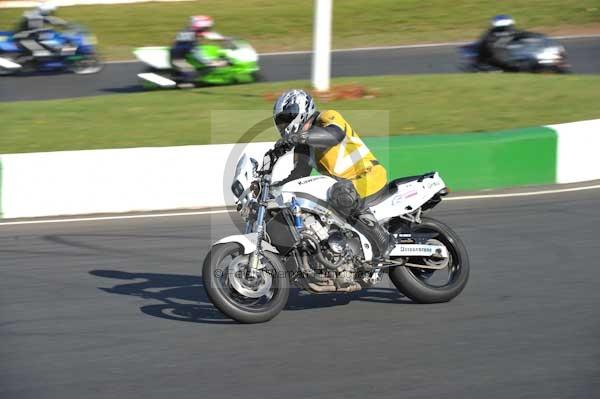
(292, 110)
(47, 8)
(502, 22)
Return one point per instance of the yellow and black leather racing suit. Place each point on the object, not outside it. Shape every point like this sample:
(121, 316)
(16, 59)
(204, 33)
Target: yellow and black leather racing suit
(333, 148)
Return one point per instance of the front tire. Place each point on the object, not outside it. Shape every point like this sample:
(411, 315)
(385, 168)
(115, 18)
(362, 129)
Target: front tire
(416, 283)
(222, 291)
(258, 77)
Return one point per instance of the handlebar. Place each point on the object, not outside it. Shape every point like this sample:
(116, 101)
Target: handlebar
(279, 149)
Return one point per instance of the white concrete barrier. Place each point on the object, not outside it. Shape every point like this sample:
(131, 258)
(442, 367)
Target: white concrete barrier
(578, 151)
(121, 180)
(160, 178)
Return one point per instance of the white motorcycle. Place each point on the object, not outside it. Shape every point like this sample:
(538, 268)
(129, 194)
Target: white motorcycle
(293, 236)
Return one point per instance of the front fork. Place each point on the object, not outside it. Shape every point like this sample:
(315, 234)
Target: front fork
(260, 226)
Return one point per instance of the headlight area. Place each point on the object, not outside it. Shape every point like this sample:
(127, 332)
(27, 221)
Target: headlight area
(237, 189)
(550, 55)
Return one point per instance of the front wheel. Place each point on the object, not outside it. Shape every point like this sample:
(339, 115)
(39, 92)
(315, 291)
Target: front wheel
(240, 295)
(258, 76)
(427, 285)
(562, 69)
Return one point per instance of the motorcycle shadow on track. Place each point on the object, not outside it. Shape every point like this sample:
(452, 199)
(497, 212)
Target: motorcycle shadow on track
(124, 89)
(183, 298)
(31, 74)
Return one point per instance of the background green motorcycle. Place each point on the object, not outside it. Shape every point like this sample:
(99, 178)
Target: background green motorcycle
(241, 67)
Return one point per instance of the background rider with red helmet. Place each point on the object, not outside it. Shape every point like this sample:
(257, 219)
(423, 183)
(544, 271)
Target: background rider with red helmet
(188, 44)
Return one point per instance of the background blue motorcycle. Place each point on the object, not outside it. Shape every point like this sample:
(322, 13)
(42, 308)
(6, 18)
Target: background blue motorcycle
(526, 52)
(72, 50)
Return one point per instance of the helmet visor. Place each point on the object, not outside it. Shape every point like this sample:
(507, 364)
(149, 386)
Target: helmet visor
(287, 116)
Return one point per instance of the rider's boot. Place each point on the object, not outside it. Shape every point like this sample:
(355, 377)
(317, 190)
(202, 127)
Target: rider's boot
(184, 73)
(382, 241)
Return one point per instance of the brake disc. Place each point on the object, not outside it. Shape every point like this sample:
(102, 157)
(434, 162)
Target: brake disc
(251, 286)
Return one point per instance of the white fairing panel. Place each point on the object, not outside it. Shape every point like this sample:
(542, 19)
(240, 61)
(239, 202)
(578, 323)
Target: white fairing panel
(8, 64)
(243, 53)
(156, 57)
(157, 79)
(317, 186)
(247, 241)
(213, 36)
(283, 167)
(244, 171)
(410, 196)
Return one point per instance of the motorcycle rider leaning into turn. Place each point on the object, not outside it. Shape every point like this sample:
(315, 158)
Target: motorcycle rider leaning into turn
(325, 141)
(188, 43)
(502, 31)
(30, 32)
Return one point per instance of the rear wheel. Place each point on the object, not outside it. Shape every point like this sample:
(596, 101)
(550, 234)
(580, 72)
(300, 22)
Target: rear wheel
(238, 294)
(427, 285)
(86, 65)
(14, 58)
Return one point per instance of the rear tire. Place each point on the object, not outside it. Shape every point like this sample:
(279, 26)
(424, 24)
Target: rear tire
(10, 57)
(229, 301)
(412, 282)
(87, 66)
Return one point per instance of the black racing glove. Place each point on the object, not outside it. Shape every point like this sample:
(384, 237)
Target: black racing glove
(281, 147)
(297, 138)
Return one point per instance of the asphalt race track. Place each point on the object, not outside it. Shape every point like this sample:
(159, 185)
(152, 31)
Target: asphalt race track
(584, 55)
(116, 309)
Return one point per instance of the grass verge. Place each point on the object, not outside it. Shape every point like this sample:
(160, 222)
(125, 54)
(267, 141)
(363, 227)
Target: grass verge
(415, 105)
(285, 25)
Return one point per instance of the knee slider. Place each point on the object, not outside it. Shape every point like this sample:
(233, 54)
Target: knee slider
(344, 198)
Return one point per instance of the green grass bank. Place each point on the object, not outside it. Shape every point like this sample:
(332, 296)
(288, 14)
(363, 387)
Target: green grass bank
(406, 105)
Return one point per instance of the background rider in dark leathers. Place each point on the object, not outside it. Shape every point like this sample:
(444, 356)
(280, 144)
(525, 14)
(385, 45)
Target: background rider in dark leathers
(501, 32)
(32, 28)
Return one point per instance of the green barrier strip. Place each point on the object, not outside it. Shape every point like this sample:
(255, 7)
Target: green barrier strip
(473, 161)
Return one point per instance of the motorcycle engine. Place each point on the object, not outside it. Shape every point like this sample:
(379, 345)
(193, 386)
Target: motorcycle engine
(335, 252)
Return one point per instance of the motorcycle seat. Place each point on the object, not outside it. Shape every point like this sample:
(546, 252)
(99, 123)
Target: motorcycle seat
(391, 188)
